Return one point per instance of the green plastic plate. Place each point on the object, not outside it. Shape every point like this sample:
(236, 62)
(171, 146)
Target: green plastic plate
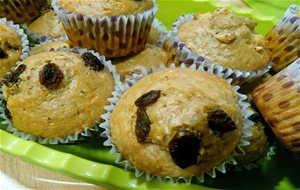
(91, 162)
(274, 8)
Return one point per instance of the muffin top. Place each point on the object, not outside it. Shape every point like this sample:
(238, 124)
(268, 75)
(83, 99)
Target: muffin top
(54, 94)
(225, 39)
(106, 7)
(47, 25)
(177, 122)
(51, 46)
(151, 56)
(10, 48)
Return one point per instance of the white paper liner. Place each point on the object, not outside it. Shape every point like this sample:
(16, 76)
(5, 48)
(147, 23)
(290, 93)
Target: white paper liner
(109, 35)
(121, 88)
(286, 33)
(164, 34)
(21, 11)
(24, 40)
(185, 55)
(87, 132)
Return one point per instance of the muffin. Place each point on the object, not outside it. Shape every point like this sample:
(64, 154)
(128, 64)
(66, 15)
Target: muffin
(284, 39)
(151, 56)
(177, 126)
(21, 11)
(50, 46)
(13, 46)
(47, 26)
(258, 147)
(57, 94)
(113, 28)
(278, 100)
(223, 39)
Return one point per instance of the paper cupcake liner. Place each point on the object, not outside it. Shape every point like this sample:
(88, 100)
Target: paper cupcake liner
(121, 88)
(182, 54)
(47, 41)
(21, 11)
(284, 39)
(164, 34)
(112, 36)
(278, 100)
(25, 42)
(87, 132)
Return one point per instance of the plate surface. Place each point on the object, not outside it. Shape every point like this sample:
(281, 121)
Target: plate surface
(91, 162)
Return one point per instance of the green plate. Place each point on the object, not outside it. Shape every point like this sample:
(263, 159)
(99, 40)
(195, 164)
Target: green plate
(91, 162)
(274, 8)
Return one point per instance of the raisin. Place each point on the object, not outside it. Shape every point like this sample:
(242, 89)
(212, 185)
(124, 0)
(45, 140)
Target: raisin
(142, 126)
(2, 54)
(92, 61)
(6, 111)
(51, 76)
(219, 121)
(148, 98)
(184, 148)
(14, 76)
(13, 47)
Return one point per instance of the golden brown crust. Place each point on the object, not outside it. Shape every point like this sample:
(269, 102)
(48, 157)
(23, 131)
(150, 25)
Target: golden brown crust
(75, 104)
(226, 39)
(186, 98)
(151, 56)
(11, 45)
(48, 25)
(50, 46)
(106, 7)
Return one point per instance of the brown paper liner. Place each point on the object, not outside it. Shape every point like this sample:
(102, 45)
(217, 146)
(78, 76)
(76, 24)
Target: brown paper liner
(284, 39)
(278, 100)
